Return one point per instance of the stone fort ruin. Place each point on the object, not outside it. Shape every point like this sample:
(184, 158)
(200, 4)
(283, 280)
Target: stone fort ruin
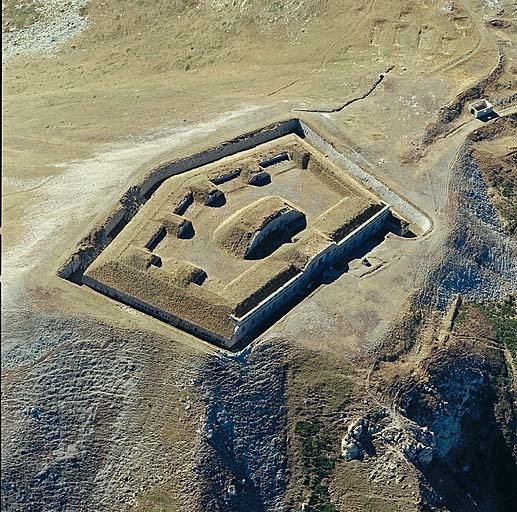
(222, 243)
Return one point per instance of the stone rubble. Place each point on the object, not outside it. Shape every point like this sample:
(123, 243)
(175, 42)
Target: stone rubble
(60, 21)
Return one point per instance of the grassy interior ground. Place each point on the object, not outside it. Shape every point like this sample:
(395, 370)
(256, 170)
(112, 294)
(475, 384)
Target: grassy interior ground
(303, 188)
(503, 318)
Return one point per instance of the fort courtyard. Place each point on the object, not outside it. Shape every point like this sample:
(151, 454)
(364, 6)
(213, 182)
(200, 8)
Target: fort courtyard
(224, 247)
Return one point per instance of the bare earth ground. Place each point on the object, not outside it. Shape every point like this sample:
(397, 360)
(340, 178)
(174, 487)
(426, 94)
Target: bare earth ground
(105, 409)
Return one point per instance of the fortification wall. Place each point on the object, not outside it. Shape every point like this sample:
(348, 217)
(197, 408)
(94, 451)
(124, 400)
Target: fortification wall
(281, 221)
(365, 231)
(406, 209)
(138, 195)
(157, 312)
(261, 312)
(243, 143)
(332, 253)
(114, 221)
(93, 245)
(84, 256)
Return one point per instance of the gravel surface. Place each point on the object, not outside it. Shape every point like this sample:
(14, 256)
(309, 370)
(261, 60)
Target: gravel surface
(60, 21)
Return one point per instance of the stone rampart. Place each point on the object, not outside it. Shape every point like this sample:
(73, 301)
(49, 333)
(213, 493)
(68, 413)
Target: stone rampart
(403, 206)
(137, 195)
(173, 320)
(242, 143)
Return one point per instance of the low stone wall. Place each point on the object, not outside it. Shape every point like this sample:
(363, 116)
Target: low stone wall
(261, 313)
(281, 222)
(71, 266)
(114, 221)
(243, 143)
(92, 245)
(182, 206)
(227, 176)
(365, 231)
(268, 162)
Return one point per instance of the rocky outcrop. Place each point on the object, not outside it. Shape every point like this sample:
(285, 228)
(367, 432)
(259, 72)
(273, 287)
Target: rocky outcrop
(457, 405)
(244, 450)
(352, 442)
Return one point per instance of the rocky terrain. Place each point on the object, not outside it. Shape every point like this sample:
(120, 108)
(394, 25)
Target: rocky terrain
(40, 26)
(460, 393)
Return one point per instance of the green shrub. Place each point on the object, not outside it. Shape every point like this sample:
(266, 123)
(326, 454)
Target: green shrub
(503, 317)
(318, 463)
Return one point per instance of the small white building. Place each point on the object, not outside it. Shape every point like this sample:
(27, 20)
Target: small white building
(481, 108)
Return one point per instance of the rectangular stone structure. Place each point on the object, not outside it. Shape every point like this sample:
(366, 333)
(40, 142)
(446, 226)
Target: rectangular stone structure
(218, 256)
